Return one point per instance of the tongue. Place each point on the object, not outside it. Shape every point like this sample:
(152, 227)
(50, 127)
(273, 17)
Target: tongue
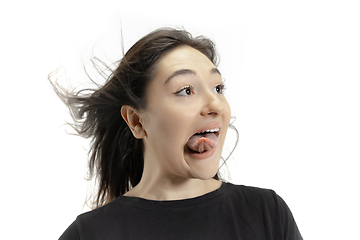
(202, 142)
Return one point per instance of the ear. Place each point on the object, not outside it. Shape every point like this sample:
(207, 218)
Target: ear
(133, 120)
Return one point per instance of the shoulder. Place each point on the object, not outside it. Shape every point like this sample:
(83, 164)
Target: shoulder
(90, 225)
(71, 233)
(265, 205)
(100, 215)
(258, 200)
(252, 193)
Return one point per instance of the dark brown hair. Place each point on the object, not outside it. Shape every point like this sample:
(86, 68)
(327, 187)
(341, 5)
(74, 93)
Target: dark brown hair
(116, 156)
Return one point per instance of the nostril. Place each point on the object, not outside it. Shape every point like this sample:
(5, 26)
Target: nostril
(212, 113)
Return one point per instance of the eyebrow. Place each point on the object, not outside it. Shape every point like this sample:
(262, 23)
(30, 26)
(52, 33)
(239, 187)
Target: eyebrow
(189, 72)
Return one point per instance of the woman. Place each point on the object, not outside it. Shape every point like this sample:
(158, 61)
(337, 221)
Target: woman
(158, 126)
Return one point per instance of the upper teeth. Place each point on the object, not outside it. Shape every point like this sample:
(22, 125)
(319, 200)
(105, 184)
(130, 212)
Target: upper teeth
(210, 130)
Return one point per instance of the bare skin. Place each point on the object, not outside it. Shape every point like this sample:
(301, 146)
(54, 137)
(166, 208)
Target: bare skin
(184, 98)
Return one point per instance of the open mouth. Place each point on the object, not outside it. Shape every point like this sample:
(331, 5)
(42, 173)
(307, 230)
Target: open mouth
(202, 142)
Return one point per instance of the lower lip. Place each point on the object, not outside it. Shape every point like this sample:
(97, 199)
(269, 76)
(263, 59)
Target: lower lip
(203, 155)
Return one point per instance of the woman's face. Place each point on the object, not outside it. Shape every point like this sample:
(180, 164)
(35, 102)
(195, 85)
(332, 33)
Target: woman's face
(184, 98)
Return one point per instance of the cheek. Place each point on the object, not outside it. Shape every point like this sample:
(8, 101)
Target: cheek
(226, 119)
(176, 125)
(168, 128)
(227, 110)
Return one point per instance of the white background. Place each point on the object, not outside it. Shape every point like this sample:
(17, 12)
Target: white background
(292, 71)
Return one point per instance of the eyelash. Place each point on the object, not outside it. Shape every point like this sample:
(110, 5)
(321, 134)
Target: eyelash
(189, 87)
(192, 88)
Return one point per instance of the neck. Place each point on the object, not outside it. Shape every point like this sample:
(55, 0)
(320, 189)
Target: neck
(162, 188)
(161, 182)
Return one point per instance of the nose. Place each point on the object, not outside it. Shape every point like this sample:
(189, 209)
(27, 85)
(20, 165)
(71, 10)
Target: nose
(213, 106)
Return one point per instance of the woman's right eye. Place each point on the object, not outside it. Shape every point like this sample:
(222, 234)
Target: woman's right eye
(185, 91)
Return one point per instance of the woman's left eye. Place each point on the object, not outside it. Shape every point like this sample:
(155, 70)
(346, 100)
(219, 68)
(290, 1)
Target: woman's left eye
(219, 89)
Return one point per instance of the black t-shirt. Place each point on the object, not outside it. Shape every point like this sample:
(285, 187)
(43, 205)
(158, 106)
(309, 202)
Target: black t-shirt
(230, 212)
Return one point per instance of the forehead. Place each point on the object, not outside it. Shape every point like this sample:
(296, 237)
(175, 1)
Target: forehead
(183, 57)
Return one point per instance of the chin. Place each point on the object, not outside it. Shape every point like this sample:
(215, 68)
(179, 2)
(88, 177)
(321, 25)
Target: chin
(204, 169)
(204, 174)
